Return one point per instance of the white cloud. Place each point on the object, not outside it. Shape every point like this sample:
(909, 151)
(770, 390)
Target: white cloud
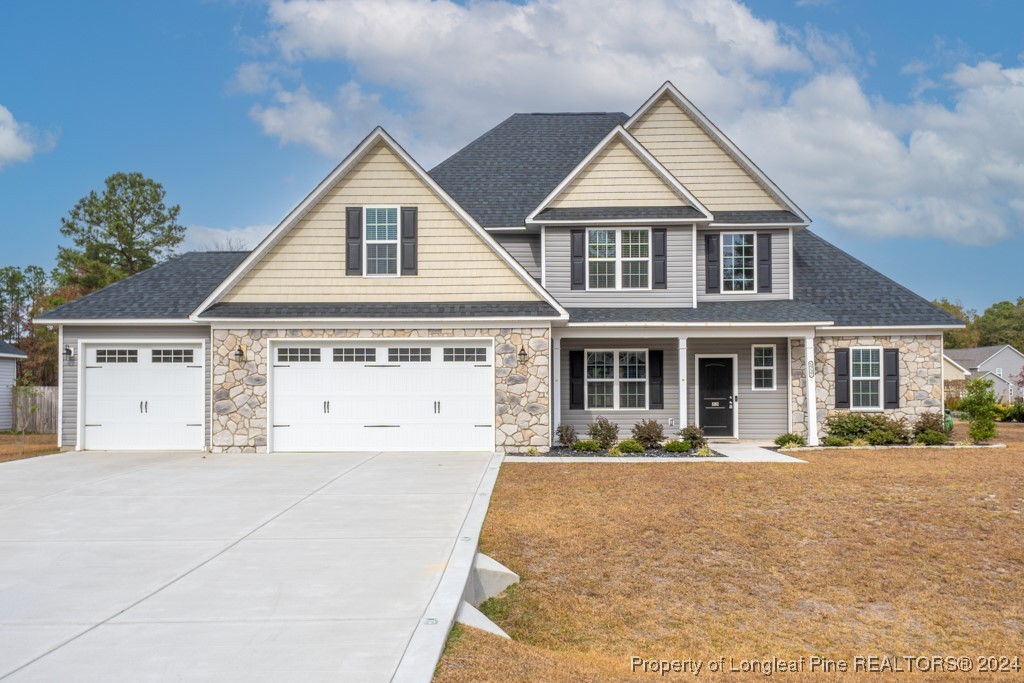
(202, 238)
(18, 141)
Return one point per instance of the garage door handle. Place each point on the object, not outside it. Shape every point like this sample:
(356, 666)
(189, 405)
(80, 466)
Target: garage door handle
(147, 407)
(328, 406)
(140, 406)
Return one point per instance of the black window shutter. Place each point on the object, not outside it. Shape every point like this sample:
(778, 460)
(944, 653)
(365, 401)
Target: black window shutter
(656, 360)
(764, 262)
(712, 264)
(409, 228)
(576, 380)
(354, 240)
(891, 377)
(659, 266)
(842, 378)
(578, 247)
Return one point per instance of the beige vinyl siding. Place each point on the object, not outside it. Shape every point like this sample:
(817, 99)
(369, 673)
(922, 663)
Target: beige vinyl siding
(308, 263)
(524, 248)
(617, 177)
(143, 334)
(679, 265)
(762, 414)
(667, 416)
(780, 268)
(697, 161)
(950, 371)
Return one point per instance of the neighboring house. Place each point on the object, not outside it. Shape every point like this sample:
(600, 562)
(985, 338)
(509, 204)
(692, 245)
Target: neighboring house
(9, 357)
(953, 371)
(1001, 364)
(558, 268)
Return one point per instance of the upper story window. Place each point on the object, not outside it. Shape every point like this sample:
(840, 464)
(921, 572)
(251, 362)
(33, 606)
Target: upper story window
(866, 378)
(381, 236)
(618, 258)
(738, 262)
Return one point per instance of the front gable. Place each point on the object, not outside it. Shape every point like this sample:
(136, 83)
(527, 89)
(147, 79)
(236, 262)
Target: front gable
(305, 261)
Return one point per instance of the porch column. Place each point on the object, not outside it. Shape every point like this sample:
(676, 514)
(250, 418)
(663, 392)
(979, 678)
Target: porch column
(555, 383)
(810, 374)
(684, 386)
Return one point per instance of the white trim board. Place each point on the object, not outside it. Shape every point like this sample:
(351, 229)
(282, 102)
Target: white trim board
(378, 135)
(728, 145)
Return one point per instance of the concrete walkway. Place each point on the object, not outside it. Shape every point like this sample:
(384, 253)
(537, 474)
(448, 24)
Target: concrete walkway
(180, 567)
(733, 451)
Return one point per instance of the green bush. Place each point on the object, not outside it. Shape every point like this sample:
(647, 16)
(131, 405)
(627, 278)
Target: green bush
(704, 452)
(932, 437)
(873, 428)
(693, 434)
(952, 403)
(979, 405)
(604, 432)
(788, 439)
(674, 446)
(930, 422)
(631, 446)
(566, 435)
(1016, 412)
(614, 452)
(650, 433)
(1000, 413)
(833, 441)
(586, 446)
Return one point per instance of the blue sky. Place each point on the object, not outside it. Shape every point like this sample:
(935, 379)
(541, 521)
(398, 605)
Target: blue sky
(898, 126)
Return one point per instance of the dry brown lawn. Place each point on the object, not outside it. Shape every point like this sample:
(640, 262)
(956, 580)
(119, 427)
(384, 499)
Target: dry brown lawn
(897, 552)
(35, 444)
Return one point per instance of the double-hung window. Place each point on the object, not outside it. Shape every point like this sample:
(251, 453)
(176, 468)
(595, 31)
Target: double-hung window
(763, 367)
(616, 379)
(381, 240)
(866, 378)
(739, 264)
(618, 258)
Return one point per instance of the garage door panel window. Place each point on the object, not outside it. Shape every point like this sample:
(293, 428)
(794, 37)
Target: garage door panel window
(409, 355)
(616, 380)
(298, 355)
(117, 356)
(173, 356)
(465, 354)
(355, 355)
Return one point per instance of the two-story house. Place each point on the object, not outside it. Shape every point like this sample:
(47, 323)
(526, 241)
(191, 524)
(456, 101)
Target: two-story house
(558, 268)
(1002, 365)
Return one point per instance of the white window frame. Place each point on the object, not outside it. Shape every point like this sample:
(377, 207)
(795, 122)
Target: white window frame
(397, 242)
(774, 367)
(879, 379)
(999, 372)
(618, 260)
(721, 263)
(615, 380)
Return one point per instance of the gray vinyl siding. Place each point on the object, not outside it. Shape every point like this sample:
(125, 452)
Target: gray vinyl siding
(523, 247)
(762, 414)
(1011, 363)
(679, 268)
(8, 371)
(74, 334)
(581, 419)
(780, 268)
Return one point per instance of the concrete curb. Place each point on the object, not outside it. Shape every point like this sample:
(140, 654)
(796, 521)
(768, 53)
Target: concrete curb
(914, 446)
(427, 643)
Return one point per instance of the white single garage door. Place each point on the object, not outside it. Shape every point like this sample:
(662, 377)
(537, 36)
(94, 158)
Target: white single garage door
(403, 395)
(143, 397)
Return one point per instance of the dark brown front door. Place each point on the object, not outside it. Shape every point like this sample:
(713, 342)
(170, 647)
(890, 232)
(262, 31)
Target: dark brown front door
(716, 396)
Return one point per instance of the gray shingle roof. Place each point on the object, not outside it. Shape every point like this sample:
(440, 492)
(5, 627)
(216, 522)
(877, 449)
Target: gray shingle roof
(707, 312)
(741, 217)
(503, 175)
(172, 289)
(11, 351)
(500, 309)
(613, 212)
(851, 293)
(973, 358)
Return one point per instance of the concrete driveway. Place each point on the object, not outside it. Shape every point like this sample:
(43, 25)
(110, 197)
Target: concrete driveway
(180, 567)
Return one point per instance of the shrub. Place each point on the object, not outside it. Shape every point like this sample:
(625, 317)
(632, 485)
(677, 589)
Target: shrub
(674, 446)
(979, 405)
(982, 429)
(933, 437)
(860, 442)
(586, 446)
(833, 441)
(604, 432)
(952, 403)
(695, 435)
(631, 446)
(649, 433)
(1000, 413)
(704, 452)
(1016, 412)
(532, 451)
(566, 435)
(930, 422)
(871, 428)
(614, 452)
(791, 440)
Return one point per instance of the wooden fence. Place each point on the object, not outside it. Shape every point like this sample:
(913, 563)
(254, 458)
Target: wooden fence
(43, 418)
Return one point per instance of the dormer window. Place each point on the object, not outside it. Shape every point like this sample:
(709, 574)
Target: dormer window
(738, 262)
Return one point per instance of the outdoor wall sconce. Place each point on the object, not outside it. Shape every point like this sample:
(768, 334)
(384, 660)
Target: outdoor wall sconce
(522, 355)
(240, 354)
(69, 354)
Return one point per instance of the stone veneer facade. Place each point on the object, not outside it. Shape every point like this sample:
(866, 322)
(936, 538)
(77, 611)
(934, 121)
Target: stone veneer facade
(920, 376)
(522, 392)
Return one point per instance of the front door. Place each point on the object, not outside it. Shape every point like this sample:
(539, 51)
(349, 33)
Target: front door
(717, 399)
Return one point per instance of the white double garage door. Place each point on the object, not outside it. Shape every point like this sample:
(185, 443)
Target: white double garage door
(339, 395)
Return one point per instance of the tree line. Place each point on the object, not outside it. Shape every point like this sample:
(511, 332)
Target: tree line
(999, 324)
(113, 234)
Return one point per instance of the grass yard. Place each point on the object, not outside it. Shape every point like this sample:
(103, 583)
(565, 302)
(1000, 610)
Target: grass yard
(898, 552)
(35, 444)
